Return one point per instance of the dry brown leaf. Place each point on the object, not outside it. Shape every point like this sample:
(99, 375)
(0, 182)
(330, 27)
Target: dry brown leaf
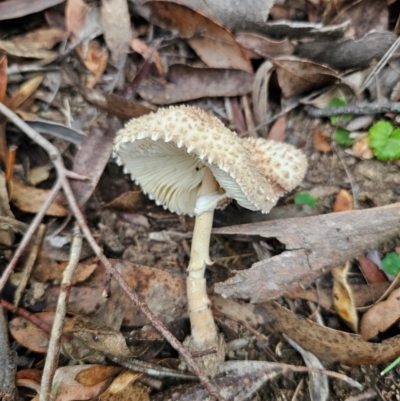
(124, 388)
(164, 294)
(75, 15)
(381, 316)
(29, 335)
(117, 28)
(99, 142)
(69, 389)
(371, 271)
(278, 130)
(188, 83)
(46, 268)
(259, 46)
(321, 142)
(127, 202)
(19, 8)
(34, 44)
(343, 201)
(260, 93)
(364, 294)
(296, 76)
(31, 199)
(95, 60)
(141, 47)
(213, 43)
(115, 105)
(362, 150)
(96, 374)
(25, 91)
(84, 270)
(45, 38)
(343, 298)
(331, 345)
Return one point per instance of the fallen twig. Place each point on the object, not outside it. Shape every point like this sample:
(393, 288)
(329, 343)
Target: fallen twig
(31, 317)
(30, 262)
(8, 358)
(63, 182)
(382, 62)
(53, 353)
(358, 109)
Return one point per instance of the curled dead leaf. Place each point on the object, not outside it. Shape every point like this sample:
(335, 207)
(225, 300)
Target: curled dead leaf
(95, 60)
(381, 316)
(262, 110)
(25, 91)
(343, 298)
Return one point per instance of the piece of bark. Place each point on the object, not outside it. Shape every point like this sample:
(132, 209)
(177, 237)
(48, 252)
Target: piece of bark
(314, 245)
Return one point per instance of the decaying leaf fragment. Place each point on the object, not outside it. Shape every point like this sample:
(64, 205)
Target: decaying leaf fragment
(343, 298)
(296, 76)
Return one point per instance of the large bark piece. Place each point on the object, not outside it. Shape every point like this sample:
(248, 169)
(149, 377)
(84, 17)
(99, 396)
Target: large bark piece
(314, 245)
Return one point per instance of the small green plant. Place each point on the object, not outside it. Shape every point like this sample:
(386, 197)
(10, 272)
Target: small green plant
(337, 102)
(391, 263)
(304, 198)
(342, 137)
(385, 140)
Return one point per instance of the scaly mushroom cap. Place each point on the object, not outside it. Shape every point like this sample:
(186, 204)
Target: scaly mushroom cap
(166, 152)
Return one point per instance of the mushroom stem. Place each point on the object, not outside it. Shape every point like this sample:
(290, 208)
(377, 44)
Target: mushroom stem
(204, 330)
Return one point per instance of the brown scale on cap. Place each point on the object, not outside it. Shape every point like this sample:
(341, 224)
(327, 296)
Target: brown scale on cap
(165, 153)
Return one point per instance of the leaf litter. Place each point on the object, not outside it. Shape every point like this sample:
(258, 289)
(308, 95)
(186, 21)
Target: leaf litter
(126, 61)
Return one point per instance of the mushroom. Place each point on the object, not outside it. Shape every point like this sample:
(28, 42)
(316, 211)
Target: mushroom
(190, 163)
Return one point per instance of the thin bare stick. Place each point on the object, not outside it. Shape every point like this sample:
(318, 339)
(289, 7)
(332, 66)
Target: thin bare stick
(29, 233)
(358, 109)
(307, 369)
(8, 368)
(29, 263)
(53, 353)
(382, 62)
(63, 175)
(32, 318)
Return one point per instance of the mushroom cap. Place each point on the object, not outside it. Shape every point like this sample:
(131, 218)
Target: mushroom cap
(166, 152)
